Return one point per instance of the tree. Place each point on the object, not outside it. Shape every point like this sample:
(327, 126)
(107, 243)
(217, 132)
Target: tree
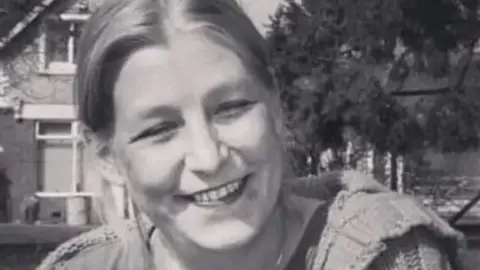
(340, 63)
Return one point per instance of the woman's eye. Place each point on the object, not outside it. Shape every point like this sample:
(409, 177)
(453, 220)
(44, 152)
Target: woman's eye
(233, 108)
(161, 132)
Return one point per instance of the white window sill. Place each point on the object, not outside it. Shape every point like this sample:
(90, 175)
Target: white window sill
(64, 195)
(59, 68)
(74, 17)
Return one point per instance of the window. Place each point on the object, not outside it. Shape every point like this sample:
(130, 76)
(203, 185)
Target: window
(53, 130)
(62, 41)
(63, 186)
(57, 164)
(58, 43)
(58, 167)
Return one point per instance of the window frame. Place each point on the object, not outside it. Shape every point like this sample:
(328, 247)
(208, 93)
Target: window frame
(74, 140)
(48, 67)
(122, 199)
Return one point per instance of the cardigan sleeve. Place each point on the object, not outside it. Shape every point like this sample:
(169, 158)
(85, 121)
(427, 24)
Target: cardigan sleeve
(418, 249)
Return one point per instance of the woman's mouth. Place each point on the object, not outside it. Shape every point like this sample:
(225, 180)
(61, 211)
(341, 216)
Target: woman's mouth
(221, 195)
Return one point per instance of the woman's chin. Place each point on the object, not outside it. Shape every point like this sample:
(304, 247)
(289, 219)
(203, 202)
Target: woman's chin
(224, 238)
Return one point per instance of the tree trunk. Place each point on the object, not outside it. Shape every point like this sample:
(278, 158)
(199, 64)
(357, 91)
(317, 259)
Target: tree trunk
(313, 164)
(379, 167)
(393, 172)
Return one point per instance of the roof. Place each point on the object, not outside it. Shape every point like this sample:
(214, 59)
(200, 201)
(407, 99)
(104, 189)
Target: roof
(15, 18)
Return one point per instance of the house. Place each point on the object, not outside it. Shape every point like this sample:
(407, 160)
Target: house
(42, 152)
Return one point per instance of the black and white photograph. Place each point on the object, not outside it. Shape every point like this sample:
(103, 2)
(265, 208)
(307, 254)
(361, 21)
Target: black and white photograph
(240, 134)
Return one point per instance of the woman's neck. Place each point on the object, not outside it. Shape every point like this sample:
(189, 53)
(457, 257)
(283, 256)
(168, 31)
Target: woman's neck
(271, 248)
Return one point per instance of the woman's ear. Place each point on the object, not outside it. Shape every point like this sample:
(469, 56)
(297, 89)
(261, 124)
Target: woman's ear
(101, 156)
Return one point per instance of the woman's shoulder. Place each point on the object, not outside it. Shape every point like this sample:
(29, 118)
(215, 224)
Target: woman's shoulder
(385, 214)
(360, 223)
(362, 216)
(355, 197)
(85, 251)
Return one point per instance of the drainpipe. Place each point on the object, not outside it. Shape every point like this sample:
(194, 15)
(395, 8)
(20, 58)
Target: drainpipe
(5, 100)
(12, 105)
(18, 109)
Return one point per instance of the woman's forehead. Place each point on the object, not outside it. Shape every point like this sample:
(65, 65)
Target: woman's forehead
(195, 67)
(184, 53)
(201, 62)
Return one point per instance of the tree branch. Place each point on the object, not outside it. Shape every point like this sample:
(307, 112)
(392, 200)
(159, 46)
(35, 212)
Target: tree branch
(465, 67)
(396, 65)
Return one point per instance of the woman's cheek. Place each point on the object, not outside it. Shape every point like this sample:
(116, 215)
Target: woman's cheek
(248, 132)
(154, 169)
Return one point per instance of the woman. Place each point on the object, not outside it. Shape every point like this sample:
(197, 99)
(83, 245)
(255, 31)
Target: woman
(178, 104)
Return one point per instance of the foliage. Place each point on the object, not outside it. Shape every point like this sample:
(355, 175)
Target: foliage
(338, 62)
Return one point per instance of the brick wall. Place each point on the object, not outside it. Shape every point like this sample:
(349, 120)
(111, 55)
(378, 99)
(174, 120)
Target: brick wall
(19, 159)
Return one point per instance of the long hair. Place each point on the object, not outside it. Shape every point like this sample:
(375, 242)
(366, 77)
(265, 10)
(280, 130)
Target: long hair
(120, 27)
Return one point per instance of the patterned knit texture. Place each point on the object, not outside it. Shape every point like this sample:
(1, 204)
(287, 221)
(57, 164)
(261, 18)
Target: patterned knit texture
(362, 222)
(416, 250)
(72, 248)
(82, 244)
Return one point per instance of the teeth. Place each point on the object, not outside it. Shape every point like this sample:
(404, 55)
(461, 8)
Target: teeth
(222, 192)
(218, 193)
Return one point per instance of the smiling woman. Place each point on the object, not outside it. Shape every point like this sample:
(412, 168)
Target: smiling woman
(178, 104)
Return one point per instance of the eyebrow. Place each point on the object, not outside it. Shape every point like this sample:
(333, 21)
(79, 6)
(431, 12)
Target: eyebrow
(227, 88)
(218, 92)
(154, 111)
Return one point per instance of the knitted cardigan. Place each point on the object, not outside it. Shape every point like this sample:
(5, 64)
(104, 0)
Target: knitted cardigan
(366, 228)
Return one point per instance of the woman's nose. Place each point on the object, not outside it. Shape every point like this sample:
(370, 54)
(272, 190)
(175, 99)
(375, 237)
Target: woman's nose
(206, 153)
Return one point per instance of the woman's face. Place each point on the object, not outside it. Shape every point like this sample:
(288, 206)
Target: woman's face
(197, 137)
